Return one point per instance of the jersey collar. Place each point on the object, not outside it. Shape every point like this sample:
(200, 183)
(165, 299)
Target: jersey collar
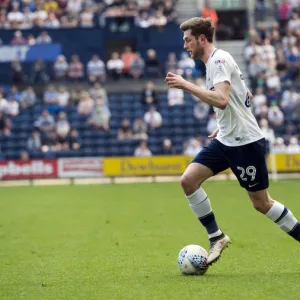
(211, 55)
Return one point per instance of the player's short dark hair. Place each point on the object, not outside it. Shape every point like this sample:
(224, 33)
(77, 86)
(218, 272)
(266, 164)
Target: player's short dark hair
(200, 26)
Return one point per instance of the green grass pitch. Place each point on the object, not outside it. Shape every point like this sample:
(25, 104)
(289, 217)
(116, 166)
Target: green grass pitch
(122, 241)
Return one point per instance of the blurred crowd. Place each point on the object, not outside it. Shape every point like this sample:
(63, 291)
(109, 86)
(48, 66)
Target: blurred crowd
(124, 64)
(273, 60)
(26, 14)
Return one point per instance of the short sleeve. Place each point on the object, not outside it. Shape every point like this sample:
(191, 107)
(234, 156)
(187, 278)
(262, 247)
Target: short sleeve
(221, 70)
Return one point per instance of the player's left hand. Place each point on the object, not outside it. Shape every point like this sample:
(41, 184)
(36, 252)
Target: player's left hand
(175, 81)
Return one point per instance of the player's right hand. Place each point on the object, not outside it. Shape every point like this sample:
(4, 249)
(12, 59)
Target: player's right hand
(214, 134)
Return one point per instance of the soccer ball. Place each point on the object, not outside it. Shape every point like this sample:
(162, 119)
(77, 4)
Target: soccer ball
(192, 260)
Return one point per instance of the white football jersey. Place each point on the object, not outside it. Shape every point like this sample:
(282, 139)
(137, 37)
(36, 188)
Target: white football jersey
(237, 125)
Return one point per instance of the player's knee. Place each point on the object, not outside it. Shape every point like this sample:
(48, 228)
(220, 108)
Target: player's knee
(188, 184)
(262, 205)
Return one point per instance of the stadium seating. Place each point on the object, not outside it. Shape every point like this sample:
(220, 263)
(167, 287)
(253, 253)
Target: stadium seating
(178, 124)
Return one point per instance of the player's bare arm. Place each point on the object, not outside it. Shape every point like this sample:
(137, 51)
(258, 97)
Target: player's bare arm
(217, 98)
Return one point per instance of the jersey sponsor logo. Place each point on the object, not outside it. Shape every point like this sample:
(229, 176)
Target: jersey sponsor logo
(220, 67)
(220, 61)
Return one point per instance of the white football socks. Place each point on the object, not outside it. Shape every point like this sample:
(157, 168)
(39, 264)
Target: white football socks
(282, 216)
(200, 205)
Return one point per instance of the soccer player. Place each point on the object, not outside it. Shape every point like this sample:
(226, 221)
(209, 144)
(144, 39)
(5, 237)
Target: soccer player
(237, 143)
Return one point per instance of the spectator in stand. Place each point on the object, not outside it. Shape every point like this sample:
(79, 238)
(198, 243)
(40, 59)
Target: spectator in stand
(97, 91)
(96, 70)
(142, 150)
(45, 123)
(76, 95)
(152, 64)
(50, 98)
(101, 116)
(28, 98)
(259, 99)
(14, 93)
(169, 11)
(39, 74)
(262, 31)
(159, 19)
(31, 40)
(52, 22)
(28, 18)
(275, 36)
(125, 131)
(290, 131)
(18, 39)
(75, 69)
(273, 81)
(137, 66)
(186, 64)
(208, 12)
(211, 124)
(3, 104)
(251, 50)
(50, 143)
(153, 118)
(86, 104)
(74, 7)
(175, 97)
(290, 100)
(131, 9)
(257, 70)
(74, 140)
(40, 15)
(51, 6)
(279, 146)
(269, 55)
(193, 147)
(5, 125)
(115, 66)
(275, 117)
(293, 62)
(168, 148)
(296, 111)
(139, 129)
(15, 17)
(268, 133)
(34, 142)
(293, 146)
(284, 13)
(12, 108)
(201, 110)
(87, 17)
(288, 40)
(127, 57)
(4, 24)
(294, 23)
(143, 20)
(44, 38)
(63, 97)
(17, 74)
(172, 63)
(62, 130)
(149, 95)
(60, 68)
